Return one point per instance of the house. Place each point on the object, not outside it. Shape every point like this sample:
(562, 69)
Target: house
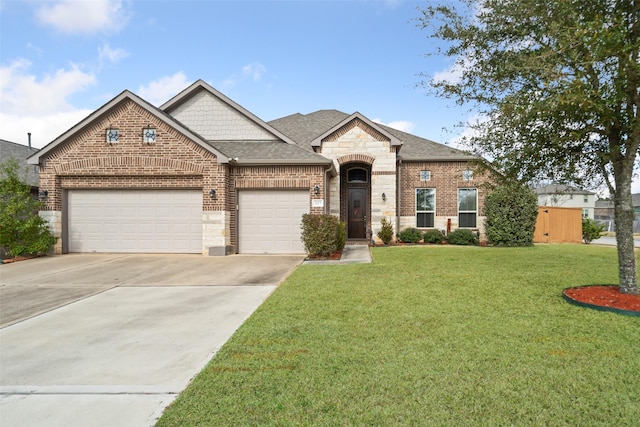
(201, 174)
(20, 152)
(604, 213)
(566, 196)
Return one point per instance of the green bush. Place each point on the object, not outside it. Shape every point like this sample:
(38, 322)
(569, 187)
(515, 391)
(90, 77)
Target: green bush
(591, 230)
(22, 230)
(462, 236)
(433, 236)
(410, 235)
(322, 235)
(511, 211)
(386, 232)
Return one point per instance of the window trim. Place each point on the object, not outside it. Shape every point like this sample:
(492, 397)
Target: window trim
(433, 212)
(474, 211)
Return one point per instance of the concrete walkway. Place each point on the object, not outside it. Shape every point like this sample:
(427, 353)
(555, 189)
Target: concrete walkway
(351, 254)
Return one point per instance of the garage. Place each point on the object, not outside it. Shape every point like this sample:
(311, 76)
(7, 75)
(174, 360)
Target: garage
(269, 221)
(134, 221)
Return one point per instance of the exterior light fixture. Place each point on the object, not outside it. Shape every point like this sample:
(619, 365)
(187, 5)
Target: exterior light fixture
(384, 197)
(43, 193)
(212, 193)
(316, 189)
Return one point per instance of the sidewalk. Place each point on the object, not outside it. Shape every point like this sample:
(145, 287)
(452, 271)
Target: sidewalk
(351, 254)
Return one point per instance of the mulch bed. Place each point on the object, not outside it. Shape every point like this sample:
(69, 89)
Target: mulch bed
(604, 297)
(333, 257)
(18, 258)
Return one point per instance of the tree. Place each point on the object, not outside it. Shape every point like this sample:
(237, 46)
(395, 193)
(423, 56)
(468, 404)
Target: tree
(511, 211)
(556, 84)
(22, 230)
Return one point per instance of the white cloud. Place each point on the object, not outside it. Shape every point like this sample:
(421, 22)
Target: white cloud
(254, 70)
(161, 90)
(82, 16)
(402, 125)
(23, 94)
(44, 129)
(106, 54)
(39, 105)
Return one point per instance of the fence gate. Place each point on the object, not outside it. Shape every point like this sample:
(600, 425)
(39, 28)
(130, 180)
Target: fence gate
(558, 225)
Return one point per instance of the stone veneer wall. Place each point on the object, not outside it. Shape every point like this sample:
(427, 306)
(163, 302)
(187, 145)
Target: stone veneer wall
(446, 178)
(87, 161)
(356, 142)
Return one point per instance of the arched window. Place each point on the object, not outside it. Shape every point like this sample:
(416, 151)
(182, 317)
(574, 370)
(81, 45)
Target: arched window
(355, 175)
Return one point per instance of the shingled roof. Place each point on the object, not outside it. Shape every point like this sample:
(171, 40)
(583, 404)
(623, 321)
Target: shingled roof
(304, 128)
(13, 150)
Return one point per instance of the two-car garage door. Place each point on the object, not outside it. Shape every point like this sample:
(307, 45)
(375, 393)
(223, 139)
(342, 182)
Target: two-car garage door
(152, 221)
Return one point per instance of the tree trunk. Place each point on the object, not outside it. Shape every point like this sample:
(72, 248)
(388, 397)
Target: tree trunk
(624, 216)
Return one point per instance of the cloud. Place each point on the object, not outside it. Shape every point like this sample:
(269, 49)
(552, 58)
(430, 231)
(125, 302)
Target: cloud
(254, 70)
(24, 94)
(161, 90)
(82, 16)
(106, 54)
(39, 105)
(401, 125)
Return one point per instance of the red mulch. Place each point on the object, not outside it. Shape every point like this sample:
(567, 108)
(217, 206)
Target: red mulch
(604, 296)
(333, 257)
(18, 258)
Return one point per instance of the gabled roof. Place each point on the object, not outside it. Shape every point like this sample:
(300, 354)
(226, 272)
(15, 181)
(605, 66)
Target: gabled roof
(199, 85)
(560, 189)
(96, 115)
(13, 150)
(317, 141)
(305, 128)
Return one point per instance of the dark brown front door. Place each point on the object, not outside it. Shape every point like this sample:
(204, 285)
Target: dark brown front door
(357, 213)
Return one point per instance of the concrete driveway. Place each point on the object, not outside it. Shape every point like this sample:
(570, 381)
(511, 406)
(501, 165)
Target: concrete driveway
(103, 340)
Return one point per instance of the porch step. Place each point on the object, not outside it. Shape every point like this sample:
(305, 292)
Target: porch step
(358, 242)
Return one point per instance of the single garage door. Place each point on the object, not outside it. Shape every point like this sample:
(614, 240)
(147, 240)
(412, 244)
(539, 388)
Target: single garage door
(269, 221)
(135, 221)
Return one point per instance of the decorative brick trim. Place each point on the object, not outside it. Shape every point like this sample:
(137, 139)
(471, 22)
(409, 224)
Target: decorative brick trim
(352, 124)
(356, 158)
(383, 173)
(115, 166)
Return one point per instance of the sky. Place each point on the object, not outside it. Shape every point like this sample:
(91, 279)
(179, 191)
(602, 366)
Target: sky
(62, 59)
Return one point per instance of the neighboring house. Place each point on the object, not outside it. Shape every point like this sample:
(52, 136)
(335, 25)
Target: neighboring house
(604, 213)
(566, 196)
(201, 174)
(19, 152)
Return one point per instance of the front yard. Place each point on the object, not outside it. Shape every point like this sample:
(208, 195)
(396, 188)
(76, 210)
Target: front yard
(428, 335)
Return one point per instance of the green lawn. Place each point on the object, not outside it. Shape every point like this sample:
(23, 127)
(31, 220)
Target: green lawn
(428, 335)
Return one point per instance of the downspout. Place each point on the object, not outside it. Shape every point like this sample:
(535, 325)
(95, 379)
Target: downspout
(327, 192)
(398, 194)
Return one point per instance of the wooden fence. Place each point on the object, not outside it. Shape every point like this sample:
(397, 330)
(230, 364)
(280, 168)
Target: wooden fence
(558, 225)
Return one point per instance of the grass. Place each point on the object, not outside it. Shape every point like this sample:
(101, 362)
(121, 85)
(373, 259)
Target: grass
(428, 335)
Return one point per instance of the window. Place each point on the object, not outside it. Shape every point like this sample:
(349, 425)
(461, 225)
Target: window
(425, 207)
(148, 135)
(467, 207)
(467, 175)
(425, 175)
(585, 199)
(585, 213)
(113, 135)
(357, 175)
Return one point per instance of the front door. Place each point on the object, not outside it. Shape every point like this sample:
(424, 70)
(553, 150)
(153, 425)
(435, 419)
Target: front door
(357, 213)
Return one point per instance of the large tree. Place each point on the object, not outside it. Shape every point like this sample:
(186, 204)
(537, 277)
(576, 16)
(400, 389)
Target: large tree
(556, 85)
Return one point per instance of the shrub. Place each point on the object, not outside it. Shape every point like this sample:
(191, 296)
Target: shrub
(386, 232)
(462, 236)
(410, 235)
(22, 230)
(591, 230)
(433, 236)
(322, 235)
(511, 211)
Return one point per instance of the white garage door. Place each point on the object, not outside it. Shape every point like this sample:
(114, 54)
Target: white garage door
(136, 221)
(269, 221)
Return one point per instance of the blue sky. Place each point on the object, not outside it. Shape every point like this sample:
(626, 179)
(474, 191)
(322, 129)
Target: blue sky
(62, 59)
